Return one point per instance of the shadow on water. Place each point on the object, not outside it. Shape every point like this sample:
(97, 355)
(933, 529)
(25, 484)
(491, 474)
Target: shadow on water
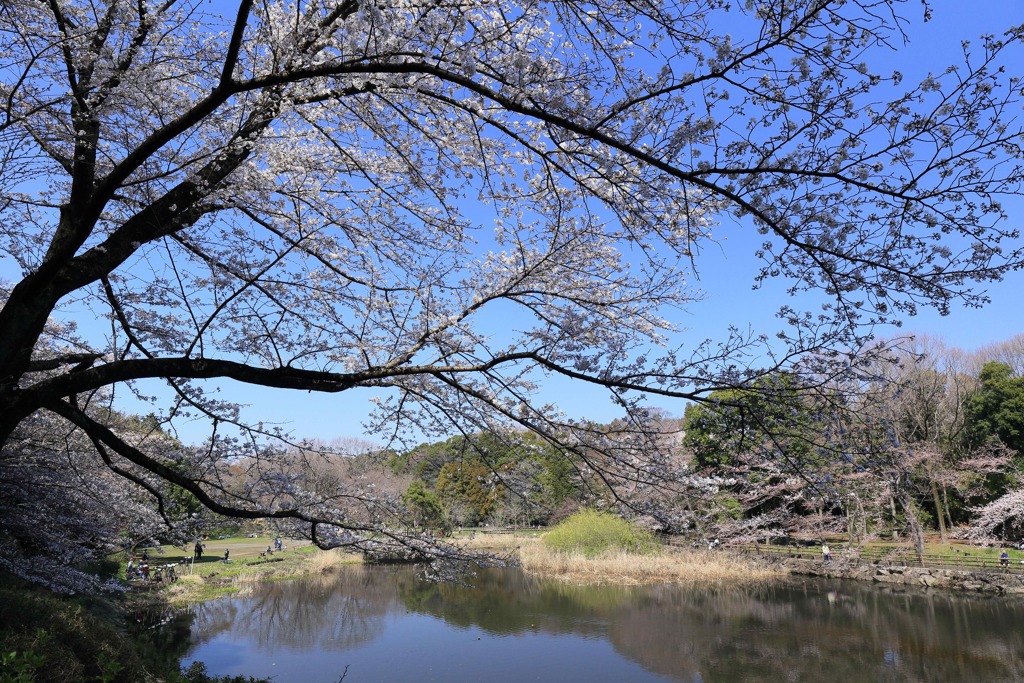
(162, 635)
(389, 625)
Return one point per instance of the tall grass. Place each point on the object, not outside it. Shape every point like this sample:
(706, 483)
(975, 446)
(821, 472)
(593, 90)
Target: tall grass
(597, 547)
(667, 565)
(326, 560)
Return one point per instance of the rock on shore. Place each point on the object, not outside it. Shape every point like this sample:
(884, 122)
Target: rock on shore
(997, 582)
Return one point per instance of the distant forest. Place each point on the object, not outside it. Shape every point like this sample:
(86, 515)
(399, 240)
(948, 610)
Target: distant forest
(930, 440)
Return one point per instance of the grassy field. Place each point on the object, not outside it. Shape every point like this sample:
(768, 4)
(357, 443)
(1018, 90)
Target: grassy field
(248, 563)
(239, 547)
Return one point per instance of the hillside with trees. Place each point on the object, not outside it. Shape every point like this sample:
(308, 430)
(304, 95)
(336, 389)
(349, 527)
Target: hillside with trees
(927, 441)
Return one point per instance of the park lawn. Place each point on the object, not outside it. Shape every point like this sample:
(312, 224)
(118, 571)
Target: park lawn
(248, 564)
(241, 548)
(954, 551)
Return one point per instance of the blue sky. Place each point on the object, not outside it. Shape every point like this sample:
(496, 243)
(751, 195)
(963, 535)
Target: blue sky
(726, 269)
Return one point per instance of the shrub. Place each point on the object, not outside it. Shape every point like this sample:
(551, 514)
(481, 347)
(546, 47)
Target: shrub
(196, 673)
(46, 638)
(728, 509)
(592, 533)
(49, 638)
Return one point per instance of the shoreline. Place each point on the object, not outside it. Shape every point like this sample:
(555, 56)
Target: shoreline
(990, 582)
(668, 566)
(222, 580)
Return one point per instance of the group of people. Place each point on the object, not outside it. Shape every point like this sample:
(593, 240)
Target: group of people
(137, 570)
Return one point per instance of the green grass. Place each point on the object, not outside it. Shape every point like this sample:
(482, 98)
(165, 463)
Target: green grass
(951, 549)
(243, 551)
(211, 577)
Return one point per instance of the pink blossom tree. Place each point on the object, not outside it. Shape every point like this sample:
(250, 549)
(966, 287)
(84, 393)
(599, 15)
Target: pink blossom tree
(326, 196)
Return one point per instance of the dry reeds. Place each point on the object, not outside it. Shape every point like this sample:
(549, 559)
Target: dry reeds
(494, 542)
(326, 560)
(665, 566)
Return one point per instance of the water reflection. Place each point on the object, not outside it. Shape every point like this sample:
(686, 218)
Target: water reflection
(331, 612)
(389, 626)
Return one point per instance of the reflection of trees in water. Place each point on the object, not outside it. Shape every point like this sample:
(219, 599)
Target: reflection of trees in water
(507, 602)
(334, 611)
(791, 632)
(855, 633)
(161, 634)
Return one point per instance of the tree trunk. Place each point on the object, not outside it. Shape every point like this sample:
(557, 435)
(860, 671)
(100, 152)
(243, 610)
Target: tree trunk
(939, 512)
(851, 521)
(916, 532)
(892, 506)
(945, 501)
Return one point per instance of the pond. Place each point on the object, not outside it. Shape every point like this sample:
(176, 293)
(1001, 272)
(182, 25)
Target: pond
(386, 624)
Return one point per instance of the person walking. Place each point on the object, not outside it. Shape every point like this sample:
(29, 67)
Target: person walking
(198, 551)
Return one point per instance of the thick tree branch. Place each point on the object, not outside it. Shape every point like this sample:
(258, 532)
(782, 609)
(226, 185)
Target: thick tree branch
(104, 435)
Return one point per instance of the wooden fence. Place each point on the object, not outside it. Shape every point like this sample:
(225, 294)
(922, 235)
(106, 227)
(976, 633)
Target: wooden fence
(896, 555)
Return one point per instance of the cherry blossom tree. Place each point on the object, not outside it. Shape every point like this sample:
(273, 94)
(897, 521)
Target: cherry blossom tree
(64, 501)
(1002, 518)
(325, 196)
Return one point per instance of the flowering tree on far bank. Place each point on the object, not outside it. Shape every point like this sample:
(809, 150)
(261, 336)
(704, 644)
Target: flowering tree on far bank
(325, 196)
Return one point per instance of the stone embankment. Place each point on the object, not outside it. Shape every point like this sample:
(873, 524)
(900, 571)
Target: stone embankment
(1002, 582)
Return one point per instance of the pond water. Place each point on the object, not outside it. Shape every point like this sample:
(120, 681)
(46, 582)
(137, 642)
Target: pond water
(385, 624)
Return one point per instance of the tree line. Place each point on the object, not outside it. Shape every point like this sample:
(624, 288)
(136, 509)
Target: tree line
(932, 438)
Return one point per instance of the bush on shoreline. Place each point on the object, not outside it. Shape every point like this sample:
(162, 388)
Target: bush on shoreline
(45, 637)
(591, 533)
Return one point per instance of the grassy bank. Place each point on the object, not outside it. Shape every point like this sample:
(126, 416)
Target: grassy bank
(45, 637)
(248, 564)
(48, 638)
(212, 578)
(955, 554)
